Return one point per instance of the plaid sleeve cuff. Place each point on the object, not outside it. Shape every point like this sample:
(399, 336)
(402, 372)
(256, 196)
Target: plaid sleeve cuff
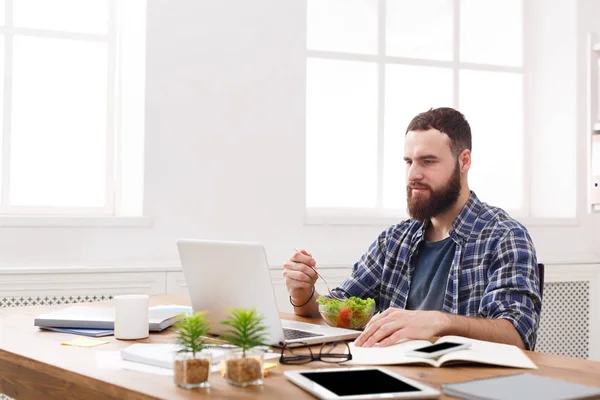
(513, 289)
(521, 320)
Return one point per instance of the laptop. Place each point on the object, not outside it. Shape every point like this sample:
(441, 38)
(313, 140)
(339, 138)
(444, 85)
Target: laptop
(221, 275)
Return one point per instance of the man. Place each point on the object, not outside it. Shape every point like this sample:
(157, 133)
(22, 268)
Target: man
(457, 267)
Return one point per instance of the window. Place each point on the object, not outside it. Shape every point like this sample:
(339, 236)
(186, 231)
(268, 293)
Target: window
(372, 65)
(72, 107)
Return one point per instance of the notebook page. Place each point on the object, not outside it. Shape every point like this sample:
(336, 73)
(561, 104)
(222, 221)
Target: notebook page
(390, 355)
(81, 313)
(487, 353)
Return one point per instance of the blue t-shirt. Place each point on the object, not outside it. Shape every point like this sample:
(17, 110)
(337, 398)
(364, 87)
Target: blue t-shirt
(430, 277)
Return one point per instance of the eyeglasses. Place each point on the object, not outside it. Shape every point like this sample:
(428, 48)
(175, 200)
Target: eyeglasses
(336, 352)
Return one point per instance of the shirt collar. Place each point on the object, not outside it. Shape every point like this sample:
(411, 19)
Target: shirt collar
(464, 221)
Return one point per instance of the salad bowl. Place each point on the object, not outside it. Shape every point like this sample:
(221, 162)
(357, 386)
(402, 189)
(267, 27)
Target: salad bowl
(351, 313)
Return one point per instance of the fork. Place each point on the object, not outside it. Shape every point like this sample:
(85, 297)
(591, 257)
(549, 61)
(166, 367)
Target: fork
(326, 284)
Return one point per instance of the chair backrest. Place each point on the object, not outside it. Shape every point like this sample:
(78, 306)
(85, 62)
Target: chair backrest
(541, 275)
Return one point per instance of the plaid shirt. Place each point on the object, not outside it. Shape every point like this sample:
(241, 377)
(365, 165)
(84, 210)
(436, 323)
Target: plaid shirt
(493, 273)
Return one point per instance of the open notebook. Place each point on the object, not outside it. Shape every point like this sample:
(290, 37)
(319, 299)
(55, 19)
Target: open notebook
(480, 352)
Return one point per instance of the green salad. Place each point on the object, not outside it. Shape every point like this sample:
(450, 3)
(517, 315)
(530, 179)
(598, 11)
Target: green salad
(352, 313)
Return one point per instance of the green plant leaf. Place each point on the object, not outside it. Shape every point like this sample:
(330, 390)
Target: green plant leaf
(191, 333)
(247, 329)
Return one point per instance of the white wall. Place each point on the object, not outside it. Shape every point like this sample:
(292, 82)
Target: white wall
(551, 76)
(225, 144)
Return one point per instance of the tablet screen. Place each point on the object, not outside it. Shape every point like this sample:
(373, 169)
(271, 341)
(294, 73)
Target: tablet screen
(359, 382)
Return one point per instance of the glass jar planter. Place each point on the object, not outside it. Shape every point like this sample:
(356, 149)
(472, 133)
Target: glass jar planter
(192, 371)
(244, 369)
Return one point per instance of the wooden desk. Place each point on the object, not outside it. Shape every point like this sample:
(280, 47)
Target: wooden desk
(34, 365)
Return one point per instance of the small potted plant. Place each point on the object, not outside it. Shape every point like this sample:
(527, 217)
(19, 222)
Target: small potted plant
(244, 364)
(192, 363)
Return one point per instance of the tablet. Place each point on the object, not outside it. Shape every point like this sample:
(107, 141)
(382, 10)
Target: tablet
(359, 383)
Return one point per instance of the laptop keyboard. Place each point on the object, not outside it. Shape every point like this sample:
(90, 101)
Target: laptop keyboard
(296, 334)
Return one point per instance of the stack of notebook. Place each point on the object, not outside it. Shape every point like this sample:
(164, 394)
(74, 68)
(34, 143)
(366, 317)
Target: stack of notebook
(100, 321)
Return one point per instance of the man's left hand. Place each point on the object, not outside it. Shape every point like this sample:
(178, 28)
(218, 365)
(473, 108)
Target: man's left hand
(395, 324)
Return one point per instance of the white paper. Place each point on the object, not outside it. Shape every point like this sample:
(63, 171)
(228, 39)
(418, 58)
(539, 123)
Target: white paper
(488, 353)
(162, 354)
(112, 360)
(174, 308)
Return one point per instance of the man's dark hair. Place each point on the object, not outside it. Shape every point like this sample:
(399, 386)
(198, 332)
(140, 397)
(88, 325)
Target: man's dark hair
(446, 120)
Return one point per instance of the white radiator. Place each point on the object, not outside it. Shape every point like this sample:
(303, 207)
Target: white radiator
(565, 320)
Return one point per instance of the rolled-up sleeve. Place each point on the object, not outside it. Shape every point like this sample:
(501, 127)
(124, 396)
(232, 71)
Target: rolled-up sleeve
(513, 291)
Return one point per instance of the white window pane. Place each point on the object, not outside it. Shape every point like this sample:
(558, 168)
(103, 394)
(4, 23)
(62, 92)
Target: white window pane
(85, 16)
(2, 12)
(1, 102)
(341, 134)
(419, 29)
(58, 140)
(409, 90)
(342, 25)
(491, 32)
(492, 102)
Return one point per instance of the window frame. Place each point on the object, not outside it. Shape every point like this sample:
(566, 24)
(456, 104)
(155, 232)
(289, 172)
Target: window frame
(9, 31)
(386, 216)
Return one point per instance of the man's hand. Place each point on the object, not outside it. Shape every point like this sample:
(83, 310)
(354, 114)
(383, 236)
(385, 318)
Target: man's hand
(395, 324)
(300, 276)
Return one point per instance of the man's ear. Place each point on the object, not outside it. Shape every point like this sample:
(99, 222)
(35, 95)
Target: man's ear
(464, 160)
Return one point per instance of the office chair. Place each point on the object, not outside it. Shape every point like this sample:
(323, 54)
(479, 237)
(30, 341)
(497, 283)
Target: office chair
(541, 275)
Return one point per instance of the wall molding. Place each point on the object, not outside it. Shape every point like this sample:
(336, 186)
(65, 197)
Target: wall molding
(582, 263)
(89, 269)
(82, 284)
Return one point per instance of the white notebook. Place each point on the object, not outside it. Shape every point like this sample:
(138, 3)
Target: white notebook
(102, 318)
(161, 355)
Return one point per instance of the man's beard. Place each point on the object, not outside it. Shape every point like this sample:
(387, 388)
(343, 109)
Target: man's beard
(423, 208)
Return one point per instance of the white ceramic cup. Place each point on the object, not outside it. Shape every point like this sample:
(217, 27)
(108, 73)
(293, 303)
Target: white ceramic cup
(131, 316)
